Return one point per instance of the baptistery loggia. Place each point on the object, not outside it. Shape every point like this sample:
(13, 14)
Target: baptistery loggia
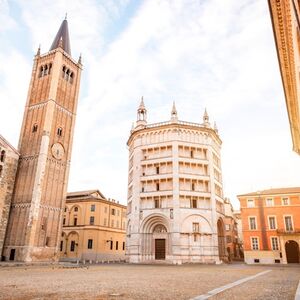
(175, 196)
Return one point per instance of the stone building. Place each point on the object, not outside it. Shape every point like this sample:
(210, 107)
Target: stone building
(8, 167)
(233, 243)
(285, 16)
(271, 225)
(45, 145)
(93, 228)
(175, 194)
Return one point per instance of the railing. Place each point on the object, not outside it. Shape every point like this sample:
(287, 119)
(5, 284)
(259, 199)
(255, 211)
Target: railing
(285, 231)
(172, 122)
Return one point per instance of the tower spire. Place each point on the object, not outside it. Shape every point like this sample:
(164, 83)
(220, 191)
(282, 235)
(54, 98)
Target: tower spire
(62, 38)
(142, 113)
(174, 116)
(205, 116)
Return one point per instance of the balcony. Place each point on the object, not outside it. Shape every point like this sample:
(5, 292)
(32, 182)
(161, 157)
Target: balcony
(288, 232)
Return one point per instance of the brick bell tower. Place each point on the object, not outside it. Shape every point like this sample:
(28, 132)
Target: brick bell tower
(45, 146)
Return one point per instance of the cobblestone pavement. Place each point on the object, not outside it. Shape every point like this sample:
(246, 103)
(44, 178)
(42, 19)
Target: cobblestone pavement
(123, 281)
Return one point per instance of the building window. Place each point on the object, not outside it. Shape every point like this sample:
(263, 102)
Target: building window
(252, 223)
(59, 131)
(157, 186)
(274, 243)
(288, 223)
(2, 156)
(192, 154)
(61, 245)
(75, 221)
(113, 211)
(72, 247)
(76, 208)
(254, 243)
(285, 201)
(269, 202)
(193, 186)
(156, 203)
(272, 223)
(194, 203)
(64, 221)
(196, 227)
(67, 74)
(44, 223)
(157, 170)
(93, 207)
(117, 245)
(227, 226)
(92, 220)
(111, 245)
(123, 246)
(34, 128)
(250, 203)
(1, 169)
(65, 209)
(90, 244)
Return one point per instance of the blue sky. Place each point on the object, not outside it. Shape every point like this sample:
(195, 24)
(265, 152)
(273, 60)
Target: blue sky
(215, 54)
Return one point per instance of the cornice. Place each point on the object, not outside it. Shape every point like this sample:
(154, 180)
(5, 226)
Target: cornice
(281, 16)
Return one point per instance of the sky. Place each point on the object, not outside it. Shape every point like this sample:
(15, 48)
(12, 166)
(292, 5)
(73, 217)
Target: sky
(212, 54)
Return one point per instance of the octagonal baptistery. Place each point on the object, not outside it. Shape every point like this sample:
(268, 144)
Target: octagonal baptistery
(175, 197)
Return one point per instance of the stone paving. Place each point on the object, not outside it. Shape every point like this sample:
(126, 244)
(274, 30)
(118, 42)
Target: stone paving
(124, 281)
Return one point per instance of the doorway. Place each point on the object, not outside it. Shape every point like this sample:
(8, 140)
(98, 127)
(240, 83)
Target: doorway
(292, 251)
(160, 249)
(12, 254)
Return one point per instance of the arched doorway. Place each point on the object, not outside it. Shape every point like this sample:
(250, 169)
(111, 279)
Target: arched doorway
(155, 238)
(292, 251)
(221, 239)
(159, 233)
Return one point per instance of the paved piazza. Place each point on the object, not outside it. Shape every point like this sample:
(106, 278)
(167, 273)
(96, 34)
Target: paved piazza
(123, 281)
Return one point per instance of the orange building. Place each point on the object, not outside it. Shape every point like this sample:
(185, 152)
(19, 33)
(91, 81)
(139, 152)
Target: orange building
(234, 247)
(271, 225)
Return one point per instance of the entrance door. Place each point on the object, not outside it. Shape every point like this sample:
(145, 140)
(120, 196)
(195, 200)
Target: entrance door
(292, 252)
(160, 249)
(12, 254)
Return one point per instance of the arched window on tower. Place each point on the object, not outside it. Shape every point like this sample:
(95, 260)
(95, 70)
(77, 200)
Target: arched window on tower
(50, 67)
(67, 74)
(59, 131)
(63, 71)
(71, 77)
(1, 170)
(34, 128)
(2, 156)
(45, 70)
(41, 71)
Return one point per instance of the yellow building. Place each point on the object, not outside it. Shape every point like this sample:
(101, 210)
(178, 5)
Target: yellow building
(93, 228)
(285, 15)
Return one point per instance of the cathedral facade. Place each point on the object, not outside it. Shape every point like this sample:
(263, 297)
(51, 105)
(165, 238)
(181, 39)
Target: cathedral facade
(45, 145)
(175, 206)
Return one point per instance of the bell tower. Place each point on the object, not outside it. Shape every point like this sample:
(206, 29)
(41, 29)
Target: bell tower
(45, 146)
